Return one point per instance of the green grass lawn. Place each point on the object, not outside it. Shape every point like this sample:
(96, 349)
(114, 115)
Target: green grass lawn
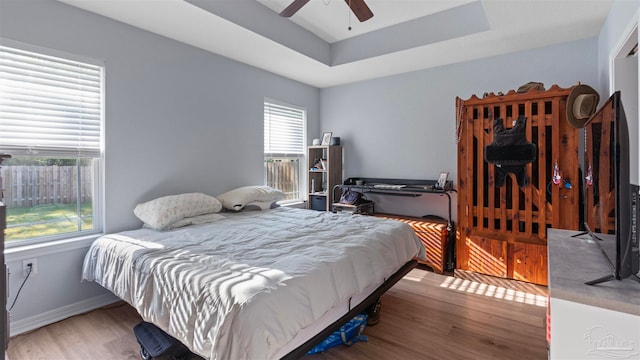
(44, 220)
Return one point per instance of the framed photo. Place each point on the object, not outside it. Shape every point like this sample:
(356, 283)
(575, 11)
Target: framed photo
(326, 138)
(442, 180)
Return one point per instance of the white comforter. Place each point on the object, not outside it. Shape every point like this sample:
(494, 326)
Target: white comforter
(242, 287)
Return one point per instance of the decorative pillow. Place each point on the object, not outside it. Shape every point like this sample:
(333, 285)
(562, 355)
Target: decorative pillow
(161, 212)
(196, 220)
(236, 199)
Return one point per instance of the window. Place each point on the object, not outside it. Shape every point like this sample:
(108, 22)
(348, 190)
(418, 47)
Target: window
(51, 114)
(284, 148)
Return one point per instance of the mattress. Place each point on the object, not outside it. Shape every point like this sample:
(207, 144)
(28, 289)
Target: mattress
(245, 286)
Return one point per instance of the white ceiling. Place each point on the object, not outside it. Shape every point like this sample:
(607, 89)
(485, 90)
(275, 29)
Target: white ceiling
(315, 46)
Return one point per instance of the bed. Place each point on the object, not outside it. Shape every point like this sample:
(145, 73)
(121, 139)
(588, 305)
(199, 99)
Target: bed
(254, 284)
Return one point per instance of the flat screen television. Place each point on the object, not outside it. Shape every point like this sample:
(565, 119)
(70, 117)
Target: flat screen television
(608, 192)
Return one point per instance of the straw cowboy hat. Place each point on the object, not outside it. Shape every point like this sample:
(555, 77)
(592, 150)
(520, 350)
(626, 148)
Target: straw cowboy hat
(581, 105)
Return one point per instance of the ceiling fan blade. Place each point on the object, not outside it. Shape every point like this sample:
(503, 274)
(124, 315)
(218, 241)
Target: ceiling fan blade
(360, 9)
(293, 8)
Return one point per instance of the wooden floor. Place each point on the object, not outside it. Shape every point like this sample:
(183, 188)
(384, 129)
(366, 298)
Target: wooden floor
(424, 316)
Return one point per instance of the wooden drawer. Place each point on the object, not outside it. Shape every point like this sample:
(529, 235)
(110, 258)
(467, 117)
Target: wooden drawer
(433, 235)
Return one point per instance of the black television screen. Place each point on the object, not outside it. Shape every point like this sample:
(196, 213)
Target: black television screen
(608, 203)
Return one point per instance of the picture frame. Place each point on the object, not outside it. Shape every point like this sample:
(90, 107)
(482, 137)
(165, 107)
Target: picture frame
(442, 180)
(326, 138)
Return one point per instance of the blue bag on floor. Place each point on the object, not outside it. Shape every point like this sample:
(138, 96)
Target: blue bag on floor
(348, 334)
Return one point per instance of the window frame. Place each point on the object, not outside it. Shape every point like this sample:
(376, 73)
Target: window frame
(98, 160)
(302, 156)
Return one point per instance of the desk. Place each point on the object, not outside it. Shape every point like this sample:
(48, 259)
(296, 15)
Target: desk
(398, 187)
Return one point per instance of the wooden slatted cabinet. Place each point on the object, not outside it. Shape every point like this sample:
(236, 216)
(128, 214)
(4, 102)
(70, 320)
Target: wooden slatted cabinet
(502, 229)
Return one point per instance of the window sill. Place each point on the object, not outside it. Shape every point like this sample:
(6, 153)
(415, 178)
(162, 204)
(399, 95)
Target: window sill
(19, 252)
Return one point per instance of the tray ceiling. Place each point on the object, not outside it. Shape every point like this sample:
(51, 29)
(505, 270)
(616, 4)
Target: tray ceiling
(316, 47)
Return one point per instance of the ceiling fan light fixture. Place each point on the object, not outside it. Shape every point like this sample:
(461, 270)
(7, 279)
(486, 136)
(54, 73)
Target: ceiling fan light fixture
(293, 8)
(358, 7)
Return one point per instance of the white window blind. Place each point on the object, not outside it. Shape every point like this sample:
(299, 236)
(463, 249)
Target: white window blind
(49, 105)
(283, 129)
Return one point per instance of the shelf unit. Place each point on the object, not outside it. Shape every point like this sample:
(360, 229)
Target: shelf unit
(321, 179)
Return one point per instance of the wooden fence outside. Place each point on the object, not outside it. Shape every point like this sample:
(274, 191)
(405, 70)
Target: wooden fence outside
(284, 174)
(26, 186)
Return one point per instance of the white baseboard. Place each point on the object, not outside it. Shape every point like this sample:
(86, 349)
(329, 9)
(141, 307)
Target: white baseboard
(52, 316)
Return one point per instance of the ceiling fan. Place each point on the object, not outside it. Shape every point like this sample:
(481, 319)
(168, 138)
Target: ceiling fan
(359, 8)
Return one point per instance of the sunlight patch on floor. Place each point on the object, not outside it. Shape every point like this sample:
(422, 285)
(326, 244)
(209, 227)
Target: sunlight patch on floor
(417, 276)
(474, 287)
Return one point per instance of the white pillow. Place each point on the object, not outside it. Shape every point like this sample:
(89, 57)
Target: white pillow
(236, 199)
(261, 205)
(161, 212)
(196, 220)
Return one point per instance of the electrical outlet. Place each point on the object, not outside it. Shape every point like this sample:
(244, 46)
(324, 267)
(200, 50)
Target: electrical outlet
(25, 266)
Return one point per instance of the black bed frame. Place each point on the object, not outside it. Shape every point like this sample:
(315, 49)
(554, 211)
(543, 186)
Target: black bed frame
(304, 348)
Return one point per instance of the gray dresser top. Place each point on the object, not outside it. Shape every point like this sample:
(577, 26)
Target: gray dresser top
(576, 260)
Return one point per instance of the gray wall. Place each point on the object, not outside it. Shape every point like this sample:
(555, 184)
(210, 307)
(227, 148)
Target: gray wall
(178, 119)
(404, 126)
